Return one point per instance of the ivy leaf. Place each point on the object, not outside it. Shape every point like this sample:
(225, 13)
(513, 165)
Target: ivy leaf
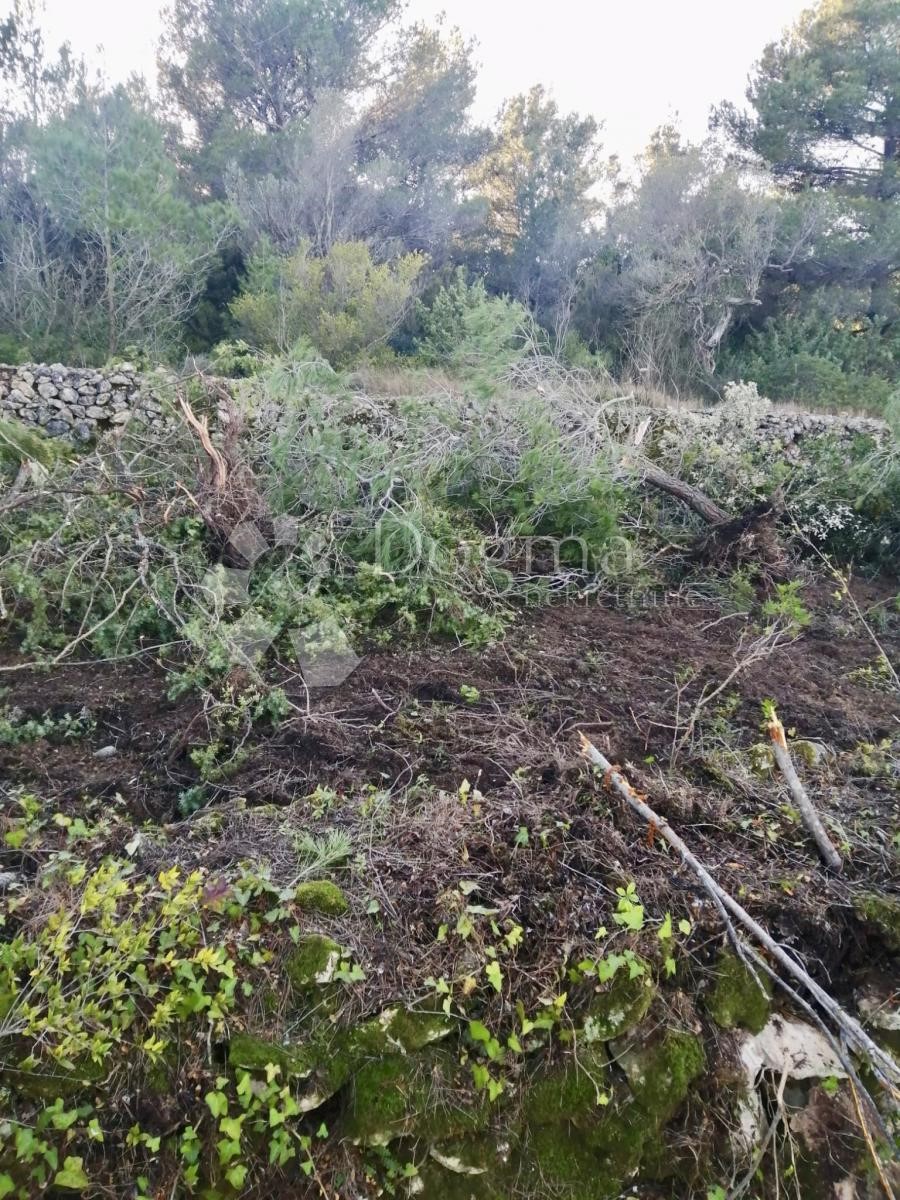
(72, 1175)
(479, 1032)
(230, 1127)
(6, 1185)
(228, 1150)
(236, 1175)
(685, 927)
(665, 930)
(217, 1103)
(494, 975)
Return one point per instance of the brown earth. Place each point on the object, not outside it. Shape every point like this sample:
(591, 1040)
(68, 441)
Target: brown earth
(535, 834)
(400, 725)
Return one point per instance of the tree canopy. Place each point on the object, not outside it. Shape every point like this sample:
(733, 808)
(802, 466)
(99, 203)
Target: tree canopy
(298, 139)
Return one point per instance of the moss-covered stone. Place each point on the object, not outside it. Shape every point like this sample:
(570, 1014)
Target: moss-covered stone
(338, 1055)
(737, 997)
(47, 1080)
(413, 1030)
(573, 1090)
(621, 1005)
(255, 1054)
(620, 1134)
(660, 1073)
(428, 1096)
(313, 962)
(321, 896)
(474, 1168)
(559, 1161)
(883, 913)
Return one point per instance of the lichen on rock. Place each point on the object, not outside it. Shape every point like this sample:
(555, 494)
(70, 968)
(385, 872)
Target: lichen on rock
(621, 1005)
(313, 962)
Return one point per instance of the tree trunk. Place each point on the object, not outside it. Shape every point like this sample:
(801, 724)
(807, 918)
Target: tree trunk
(691, 496)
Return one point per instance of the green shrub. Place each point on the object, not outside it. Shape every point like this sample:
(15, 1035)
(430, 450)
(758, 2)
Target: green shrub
(815, 359)
(12, 349)
(538, 486)
(345, 304)
(465, 329)
(236, 359)
(20, 443)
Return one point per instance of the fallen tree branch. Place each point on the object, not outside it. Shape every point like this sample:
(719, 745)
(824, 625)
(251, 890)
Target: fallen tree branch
(810, 817)
(752, 535)
(691, 496)
(883, 1066)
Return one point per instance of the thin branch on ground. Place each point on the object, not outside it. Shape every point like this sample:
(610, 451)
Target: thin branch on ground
(810, 817)
(884, 1067)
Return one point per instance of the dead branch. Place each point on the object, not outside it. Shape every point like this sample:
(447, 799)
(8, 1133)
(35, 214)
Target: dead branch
(808, 813)
(227, 496)
(691, 496)
(200, 426)
(884, 1067)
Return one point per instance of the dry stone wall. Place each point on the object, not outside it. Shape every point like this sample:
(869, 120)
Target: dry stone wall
(77, 403)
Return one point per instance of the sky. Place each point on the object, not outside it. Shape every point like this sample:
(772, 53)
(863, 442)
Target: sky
(632, 64)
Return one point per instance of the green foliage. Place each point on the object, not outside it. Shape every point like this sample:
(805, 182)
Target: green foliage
(787, 606)
(58, 562)
(16, 728)
(19, 444)
(238, 70)
(236, 359)
(465, 329)
(116, 976)
(344, 304)
(828, 85)
(544, 492)
(110, 251)
(537, 179)
(819, 360)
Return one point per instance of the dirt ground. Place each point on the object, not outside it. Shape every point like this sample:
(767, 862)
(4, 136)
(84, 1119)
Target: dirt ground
(407, 721)
(383, 760)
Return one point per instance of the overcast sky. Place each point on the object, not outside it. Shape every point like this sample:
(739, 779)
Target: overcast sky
(631, 63)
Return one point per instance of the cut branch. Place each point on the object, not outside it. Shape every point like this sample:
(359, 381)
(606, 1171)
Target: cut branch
(691, 496)
(808, 813)
(200, 426)
(884, 1067)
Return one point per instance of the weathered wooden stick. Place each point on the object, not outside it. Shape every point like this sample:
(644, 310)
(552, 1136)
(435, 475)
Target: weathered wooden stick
(200, 426)
(882, 1064)
(810, 817)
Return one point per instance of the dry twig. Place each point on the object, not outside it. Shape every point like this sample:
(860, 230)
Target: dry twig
(810, 817)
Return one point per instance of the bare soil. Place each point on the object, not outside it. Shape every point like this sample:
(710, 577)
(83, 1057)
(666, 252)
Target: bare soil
(401, 725)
